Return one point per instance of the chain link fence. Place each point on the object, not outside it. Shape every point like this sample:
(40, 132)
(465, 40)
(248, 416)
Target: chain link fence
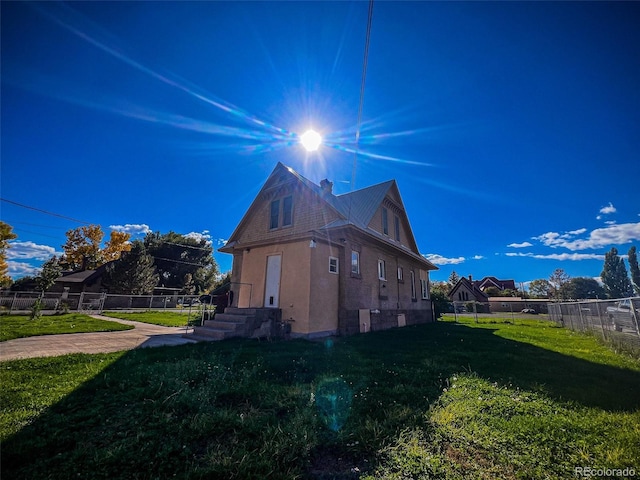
(616, 321)
(86, 302)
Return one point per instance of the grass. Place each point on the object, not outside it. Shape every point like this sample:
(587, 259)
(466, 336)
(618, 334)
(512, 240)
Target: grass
(448, 400)
(20, 326)
(162, 318)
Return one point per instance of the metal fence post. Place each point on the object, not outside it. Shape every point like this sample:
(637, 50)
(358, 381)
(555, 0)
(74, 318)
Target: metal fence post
(604, 334)
(634, 315)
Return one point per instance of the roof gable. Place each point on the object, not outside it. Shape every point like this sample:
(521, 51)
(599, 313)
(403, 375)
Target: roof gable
(465, 283)
(355, 208)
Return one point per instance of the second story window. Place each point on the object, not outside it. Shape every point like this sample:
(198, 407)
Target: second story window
(333, 265)
(286, 218)
(396, 224)
(287, 211)
(385, 221)
(275, 214)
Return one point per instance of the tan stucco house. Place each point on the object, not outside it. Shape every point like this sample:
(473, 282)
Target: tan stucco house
(331, 264)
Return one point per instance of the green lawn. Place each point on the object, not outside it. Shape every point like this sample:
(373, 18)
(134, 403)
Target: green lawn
(20, 326)
(162, 318)
(446, 400)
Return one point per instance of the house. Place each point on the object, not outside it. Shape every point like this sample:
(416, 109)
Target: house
(501, 285)
(466, 290)
(80, 281)
(330, 264)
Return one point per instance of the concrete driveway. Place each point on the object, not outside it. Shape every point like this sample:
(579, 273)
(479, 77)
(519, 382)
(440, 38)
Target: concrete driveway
(143, 335)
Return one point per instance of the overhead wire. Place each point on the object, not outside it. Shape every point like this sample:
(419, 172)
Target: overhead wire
(362, 85)
(44, 211)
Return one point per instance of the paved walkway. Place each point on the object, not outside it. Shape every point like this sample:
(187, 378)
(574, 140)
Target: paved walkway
(143, 335)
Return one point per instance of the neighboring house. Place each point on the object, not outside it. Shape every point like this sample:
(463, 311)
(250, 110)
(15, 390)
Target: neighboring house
(487, 282)
(330, 263)
(467, 291)
(78, 282)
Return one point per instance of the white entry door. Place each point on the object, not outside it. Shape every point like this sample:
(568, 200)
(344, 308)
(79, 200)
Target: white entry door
(272, 282)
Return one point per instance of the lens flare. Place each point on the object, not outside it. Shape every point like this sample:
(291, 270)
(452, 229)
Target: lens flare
(311, 140)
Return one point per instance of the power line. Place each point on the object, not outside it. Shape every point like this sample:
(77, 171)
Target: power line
(362, 83)
(44, 211)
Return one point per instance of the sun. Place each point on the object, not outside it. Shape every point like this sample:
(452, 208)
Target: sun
(311, 140)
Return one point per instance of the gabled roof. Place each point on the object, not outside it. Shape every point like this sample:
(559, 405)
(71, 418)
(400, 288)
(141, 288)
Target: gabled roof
(355, 209)
(464, 281)
(494, 282)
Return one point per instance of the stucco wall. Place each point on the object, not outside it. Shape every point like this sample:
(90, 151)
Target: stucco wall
(324, 298)
(294, 281)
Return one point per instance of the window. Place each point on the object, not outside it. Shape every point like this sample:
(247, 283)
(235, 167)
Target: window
(385, 221)
(355, 262)
(424, 285)
(382, 270)
(396, 223)
(287, 211)
(400, 274)
(333, 265)
(413, 285)
(275, 213)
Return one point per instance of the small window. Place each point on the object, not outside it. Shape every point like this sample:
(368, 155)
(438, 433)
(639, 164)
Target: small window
(424, 284)
(333, 265)
(396, 222)
(382, 270)
(400, 274)
(385, 221)
(287, 211)
(413, 285)
(355, 262)
(275, 213)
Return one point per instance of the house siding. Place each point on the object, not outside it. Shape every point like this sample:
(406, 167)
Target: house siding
(309, 213)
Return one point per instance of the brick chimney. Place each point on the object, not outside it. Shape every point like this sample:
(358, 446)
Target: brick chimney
(326, 186)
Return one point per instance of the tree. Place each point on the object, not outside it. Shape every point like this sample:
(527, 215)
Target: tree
(6, 234)
(540, 288)
(51, 270)
(583, 287)
(82, 251)
(117, 244)
(493, 292)
(453, 279)
(133, 273)
(557, 280)
(439, 296)
(614, 276)
(634, 269)
(177, 255)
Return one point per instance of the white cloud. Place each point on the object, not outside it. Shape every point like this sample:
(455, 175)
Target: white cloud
(30, 251)
(559, 256)
(204, 236)
(608, 209)
(610, 222)
(21, 269)
(600, 237)
(440, 260)
(132, 228)
(520, 245)
(477, 257)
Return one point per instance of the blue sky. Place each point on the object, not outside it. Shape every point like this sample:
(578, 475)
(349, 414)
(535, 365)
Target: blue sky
(512, 129)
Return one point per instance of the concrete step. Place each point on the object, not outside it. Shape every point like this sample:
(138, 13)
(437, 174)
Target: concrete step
(223, 324)
(240, 311)
(231, 317)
